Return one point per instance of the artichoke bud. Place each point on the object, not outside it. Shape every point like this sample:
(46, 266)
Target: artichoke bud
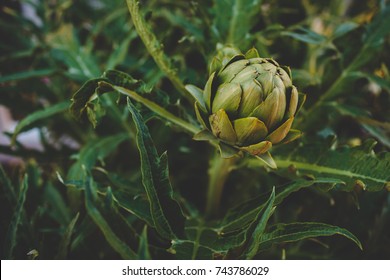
(250, 102)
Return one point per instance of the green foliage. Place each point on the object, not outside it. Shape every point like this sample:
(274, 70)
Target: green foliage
(110, 90)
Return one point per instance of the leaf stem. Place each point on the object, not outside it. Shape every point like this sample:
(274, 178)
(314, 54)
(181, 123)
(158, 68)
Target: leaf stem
(192, 129)
(155, 49)
(218, 173)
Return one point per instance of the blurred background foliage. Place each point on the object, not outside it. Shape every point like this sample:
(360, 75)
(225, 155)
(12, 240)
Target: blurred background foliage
(338, 53)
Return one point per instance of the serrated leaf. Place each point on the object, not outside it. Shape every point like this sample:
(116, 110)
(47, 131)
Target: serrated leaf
(121, 79)
(166, 212)
(118, 245)
(82, 97)
(349, 165)
(280, 233)
(38, 115)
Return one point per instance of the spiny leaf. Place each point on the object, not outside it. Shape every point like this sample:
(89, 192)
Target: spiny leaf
(280, 233)
(166, 212)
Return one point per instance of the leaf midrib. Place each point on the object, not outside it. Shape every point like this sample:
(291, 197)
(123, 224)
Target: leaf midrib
(324, 169)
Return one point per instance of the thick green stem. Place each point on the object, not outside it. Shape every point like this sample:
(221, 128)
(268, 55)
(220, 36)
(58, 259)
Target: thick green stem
(218, 174)
(154, 48)
(159, 110)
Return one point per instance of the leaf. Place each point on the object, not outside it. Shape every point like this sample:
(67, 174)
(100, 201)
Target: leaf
(26, 75)
(305, 35)
(183, 250)
(349, 165)
(59, 210)
(7, 186)
(92, 151)
(257, 228)
(66, 48)
(377, 30)
(120, 52)
(280, 233)
(383, 83)
(166, 212)
(11, 236)
(118, 245)
(81, 97)
(137, 205)
(66, 239)
(344, 28)
(38, 115)
(143, 250)
(234, 19)
(240, 216)
(155, 48)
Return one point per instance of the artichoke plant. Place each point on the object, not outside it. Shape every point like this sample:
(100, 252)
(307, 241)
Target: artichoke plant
(248, 104)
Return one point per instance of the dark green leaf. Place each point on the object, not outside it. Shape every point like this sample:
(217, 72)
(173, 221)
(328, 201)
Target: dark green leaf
(94, 150)
(256, 229)
(353, 166)
(66, 239)
(234, 19)
(11, 236)
(143, 247)
(184, 249)
(305, 35)
(240, 216)
(137, 205)
(39, 115)
(118, 245)
(27, 75)
(166, 212)
(280, 233)
(81, 98)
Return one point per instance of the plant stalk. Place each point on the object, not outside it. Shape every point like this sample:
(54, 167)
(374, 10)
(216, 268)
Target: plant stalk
(218, 173)
(155, 49)
(192, 129)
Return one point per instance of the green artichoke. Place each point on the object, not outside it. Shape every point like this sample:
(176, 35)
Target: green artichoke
(248, 104)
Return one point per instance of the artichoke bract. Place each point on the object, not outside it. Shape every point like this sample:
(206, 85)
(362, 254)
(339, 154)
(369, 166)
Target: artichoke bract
(248, 104)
